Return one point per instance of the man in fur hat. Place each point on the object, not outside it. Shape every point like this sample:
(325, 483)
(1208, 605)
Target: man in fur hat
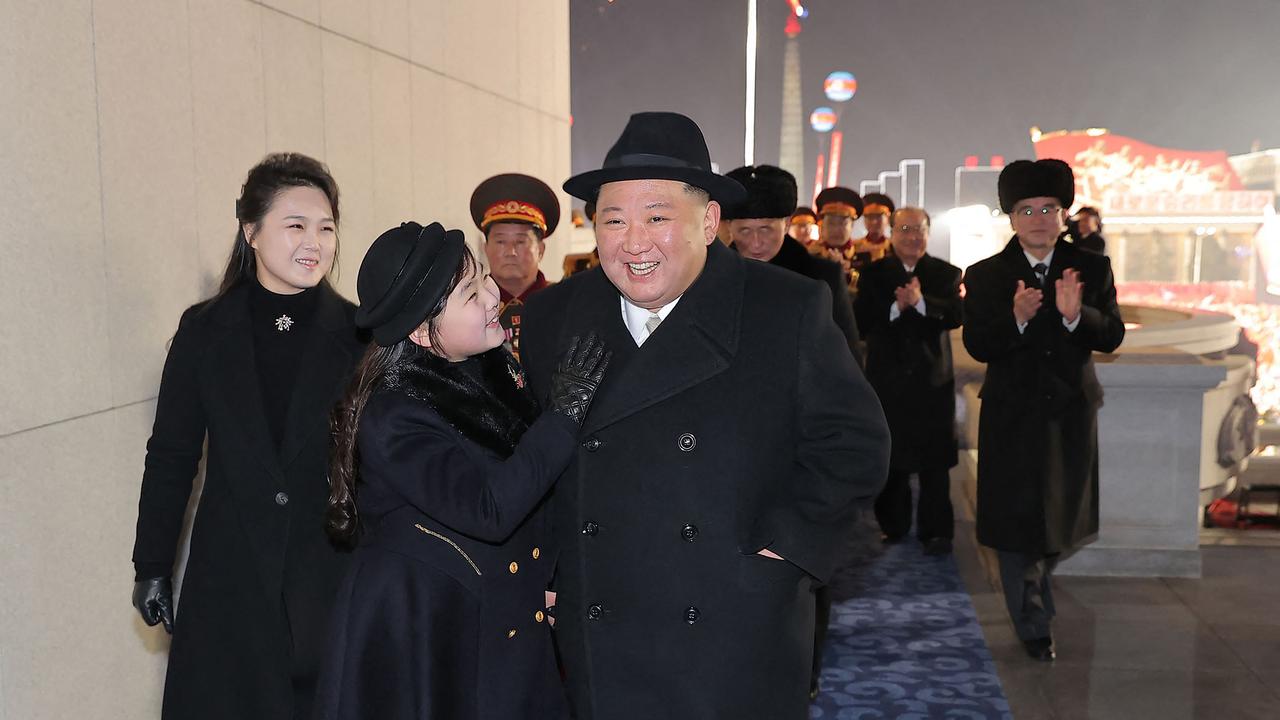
(722, 460)
(1035, 313)
(757, 229)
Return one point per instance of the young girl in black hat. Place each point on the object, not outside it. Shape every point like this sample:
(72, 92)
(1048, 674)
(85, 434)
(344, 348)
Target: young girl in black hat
(254, 371)
(440, 461)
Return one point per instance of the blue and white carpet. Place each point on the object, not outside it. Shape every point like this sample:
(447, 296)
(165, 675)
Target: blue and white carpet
(904, 640)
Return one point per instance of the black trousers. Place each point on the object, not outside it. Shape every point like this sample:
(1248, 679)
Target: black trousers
(1028, 591)
(822, 616)
(934, 515)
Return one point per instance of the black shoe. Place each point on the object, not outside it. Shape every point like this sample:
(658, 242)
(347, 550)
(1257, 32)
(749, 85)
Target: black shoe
(937, 546)
(813, 694)
(888, 539)
(1040, 649)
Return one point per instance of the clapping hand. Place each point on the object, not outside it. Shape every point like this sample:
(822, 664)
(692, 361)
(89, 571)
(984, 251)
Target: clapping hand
(1067, 292)
(1026, 302)
(908, 295)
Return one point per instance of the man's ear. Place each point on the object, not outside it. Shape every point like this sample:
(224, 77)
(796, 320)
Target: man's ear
(542, 248)
(711, 221)
(421, 337)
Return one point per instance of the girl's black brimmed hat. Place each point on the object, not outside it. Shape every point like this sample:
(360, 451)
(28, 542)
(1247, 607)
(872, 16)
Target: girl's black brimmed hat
(658, 146)
(403, 276)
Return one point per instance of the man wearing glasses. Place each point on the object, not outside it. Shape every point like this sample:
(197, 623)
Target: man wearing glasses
(908, 303)
(1035, 313)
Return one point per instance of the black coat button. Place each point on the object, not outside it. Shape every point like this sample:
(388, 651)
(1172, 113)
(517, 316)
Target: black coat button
(282, 499)
(689, 532)
(594, 612)
(687, 442)
(592, 444)
(590, 528)
(691, 614)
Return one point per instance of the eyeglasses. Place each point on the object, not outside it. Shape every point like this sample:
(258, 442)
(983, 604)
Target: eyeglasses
(911, 228)
(1030, 211)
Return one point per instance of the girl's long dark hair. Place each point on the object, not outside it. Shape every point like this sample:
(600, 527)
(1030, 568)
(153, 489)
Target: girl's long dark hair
(276, 173)
(342, 519)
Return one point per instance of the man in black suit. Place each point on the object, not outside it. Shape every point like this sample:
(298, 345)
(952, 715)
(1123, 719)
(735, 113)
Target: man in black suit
(1035, 313)
(721, 461)
(909, 301)
(757, 229)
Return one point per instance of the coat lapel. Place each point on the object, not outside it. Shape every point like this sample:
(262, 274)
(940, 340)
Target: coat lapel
(696, 342)
(321, 367)
(235, 368)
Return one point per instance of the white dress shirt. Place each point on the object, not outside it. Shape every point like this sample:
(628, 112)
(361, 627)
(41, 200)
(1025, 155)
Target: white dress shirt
(634, 317)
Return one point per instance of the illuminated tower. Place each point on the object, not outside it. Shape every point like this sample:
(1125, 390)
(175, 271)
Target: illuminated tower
(791, 143)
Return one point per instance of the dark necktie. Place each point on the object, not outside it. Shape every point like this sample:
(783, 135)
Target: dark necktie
(1042, 271)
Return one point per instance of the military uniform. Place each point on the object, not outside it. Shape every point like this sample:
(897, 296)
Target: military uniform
(516, 198)
(843, 202)
(871, 249)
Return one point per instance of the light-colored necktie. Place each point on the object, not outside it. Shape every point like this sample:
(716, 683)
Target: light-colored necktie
(653, 322)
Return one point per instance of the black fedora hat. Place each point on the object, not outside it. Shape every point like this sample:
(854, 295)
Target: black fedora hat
(658, 146)
(1022, 179)
(513, 197)
(403, 276)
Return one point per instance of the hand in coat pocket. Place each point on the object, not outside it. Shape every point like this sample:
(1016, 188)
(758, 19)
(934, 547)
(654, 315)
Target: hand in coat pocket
(549, 598)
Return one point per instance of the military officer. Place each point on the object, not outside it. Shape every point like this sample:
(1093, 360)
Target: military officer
(516, 213)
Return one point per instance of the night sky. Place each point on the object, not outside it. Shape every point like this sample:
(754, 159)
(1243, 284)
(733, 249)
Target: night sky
(937, 79)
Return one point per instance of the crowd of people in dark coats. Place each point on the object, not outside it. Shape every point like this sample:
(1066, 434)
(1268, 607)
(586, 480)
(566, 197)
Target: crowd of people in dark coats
(658, 457)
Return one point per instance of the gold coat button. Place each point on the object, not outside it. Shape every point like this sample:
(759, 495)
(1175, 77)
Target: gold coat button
(536, 553)
(539, 616)
(511, 634)
(513, 567)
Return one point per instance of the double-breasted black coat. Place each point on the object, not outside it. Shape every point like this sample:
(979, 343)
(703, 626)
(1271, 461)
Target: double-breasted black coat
(909, 358)
(742, 423)
(1037, 433)
(794, 257)
(261, 574)
(442, 613)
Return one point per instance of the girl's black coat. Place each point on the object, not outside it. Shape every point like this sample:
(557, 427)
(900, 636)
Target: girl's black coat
(441, 615)
(261, 575)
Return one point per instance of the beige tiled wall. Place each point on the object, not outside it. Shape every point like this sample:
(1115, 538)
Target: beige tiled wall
(125, 133)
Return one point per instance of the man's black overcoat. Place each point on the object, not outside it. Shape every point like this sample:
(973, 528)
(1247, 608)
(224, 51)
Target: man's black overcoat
(793, 256)
(909, 359)
(261, 574)
(742, 423)
(1037, 433)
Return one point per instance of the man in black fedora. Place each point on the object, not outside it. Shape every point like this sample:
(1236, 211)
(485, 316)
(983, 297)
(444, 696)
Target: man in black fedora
(1035, 313)
(721, 461)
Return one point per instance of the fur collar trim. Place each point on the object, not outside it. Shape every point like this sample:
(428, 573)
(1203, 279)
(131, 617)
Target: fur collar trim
(484, 398)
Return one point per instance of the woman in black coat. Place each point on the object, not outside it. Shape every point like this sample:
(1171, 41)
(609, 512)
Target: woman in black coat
(443, 613)
(255, 370)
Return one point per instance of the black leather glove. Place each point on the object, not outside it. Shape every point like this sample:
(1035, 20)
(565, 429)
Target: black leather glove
(154, 600)
(575, 381)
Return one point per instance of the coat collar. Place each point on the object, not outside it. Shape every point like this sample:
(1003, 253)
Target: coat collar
(696, 341)
(324, 361)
